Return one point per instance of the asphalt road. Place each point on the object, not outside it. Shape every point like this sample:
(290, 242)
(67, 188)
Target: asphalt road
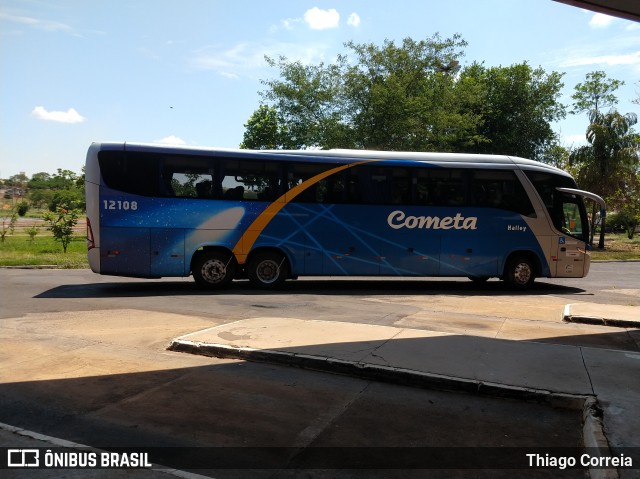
(84, 359)
(25, 291)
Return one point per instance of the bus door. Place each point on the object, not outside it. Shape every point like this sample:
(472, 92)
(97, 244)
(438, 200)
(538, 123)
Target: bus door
(571, 250)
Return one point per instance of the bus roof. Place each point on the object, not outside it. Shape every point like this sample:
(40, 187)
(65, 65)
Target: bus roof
(335, 155)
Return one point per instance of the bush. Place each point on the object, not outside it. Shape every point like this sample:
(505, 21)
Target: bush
(61, 224)
(73, 199)
(624, 220)
(8, 218)
(22, 208)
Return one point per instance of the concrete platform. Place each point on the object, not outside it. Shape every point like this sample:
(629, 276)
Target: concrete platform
(604, 383)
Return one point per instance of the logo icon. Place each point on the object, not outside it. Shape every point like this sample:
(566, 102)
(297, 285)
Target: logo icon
(23, 457)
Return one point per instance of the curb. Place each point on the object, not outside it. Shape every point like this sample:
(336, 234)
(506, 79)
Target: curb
(33, 266)
(390, 374)
(594, 438)
(592, 426)
(597, 320)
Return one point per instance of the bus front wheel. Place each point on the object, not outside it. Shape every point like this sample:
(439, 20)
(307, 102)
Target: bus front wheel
(520, 272)
(213, 269)
(268, 270)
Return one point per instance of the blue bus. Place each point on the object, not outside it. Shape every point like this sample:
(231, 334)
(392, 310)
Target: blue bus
(220, 214)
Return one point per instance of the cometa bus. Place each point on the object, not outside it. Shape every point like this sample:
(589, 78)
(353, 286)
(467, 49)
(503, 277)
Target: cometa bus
(219, 214)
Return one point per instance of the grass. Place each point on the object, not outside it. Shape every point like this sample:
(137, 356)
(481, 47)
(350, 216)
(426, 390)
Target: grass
(19, 250)
(617, 247)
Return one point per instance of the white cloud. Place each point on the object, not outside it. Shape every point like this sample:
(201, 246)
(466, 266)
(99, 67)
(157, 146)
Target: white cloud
(69, 116)
(247, 57)
(286, 24)
(319, 19)
(171, 140)
(605, 60)
(46, 25)
(354, 20)
(600, 20)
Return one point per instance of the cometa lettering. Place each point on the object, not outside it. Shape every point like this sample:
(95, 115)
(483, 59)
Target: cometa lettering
(398, 220)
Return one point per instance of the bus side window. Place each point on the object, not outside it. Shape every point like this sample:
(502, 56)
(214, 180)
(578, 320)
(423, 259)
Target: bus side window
(131, 172)
(299, 173)
(167, 188)
(250, 180)
(400, 186)
(185, 176)
(499, 189)
(439, 187)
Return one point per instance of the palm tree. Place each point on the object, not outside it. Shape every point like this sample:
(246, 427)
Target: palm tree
(611, 156)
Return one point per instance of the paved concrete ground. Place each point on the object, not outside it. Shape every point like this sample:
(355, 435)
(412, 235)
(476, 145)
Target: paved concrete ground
(558, 374)
(514, 368)
(105, 378)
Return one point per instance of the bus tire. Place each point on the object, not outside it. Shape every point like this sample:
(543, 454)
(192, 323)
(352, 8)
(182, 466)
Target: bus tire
(213, 269)
(268, 270)
(519, 272)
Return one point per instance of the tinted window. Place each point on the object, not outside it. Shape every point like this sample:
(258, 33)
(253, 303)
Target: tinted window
(380, 185)
(298, 173)
(188, 177)
(499, 189)
(250, 180)
(440, 187)
(135, 173)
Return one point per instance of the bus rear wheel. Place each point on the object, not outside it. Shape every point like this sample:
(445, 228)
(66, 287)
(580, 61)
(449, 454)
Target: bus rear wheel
(519, 272)
(213, 269)
(268, 270)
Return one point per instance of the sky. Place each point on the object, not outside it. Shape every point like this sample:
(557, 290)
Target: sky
(73, 72)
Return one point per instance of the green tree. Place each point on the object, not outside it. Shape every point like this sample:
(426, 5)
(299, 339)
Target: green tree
(608, 165)
(63, 188)
(39, 181)
(408, 96)
(264, 130)
(402, 97)
(18, 180)
(8, 218)
(627, 219)
(519, 105)
(309, 102)
(596, 93)
(61, 224)
(558, 156)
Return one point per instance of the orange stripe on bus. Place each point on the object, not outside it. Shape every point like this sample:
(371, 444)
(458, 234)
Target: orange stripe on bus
(246, 241)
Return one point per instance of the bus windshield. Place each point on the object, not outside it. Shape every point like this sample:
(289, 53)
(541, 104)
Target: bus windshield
(566, 211)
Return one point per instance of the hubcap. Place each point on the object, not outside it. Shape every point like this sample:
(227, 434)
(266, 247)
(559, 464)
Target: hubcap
(214, 271)
(268, 271)
(522, 273)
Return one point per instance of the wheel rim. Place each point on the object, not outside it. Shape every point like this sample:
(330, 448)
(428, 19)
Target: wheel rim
(522, 273)
(213, 271)
(268, 271)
